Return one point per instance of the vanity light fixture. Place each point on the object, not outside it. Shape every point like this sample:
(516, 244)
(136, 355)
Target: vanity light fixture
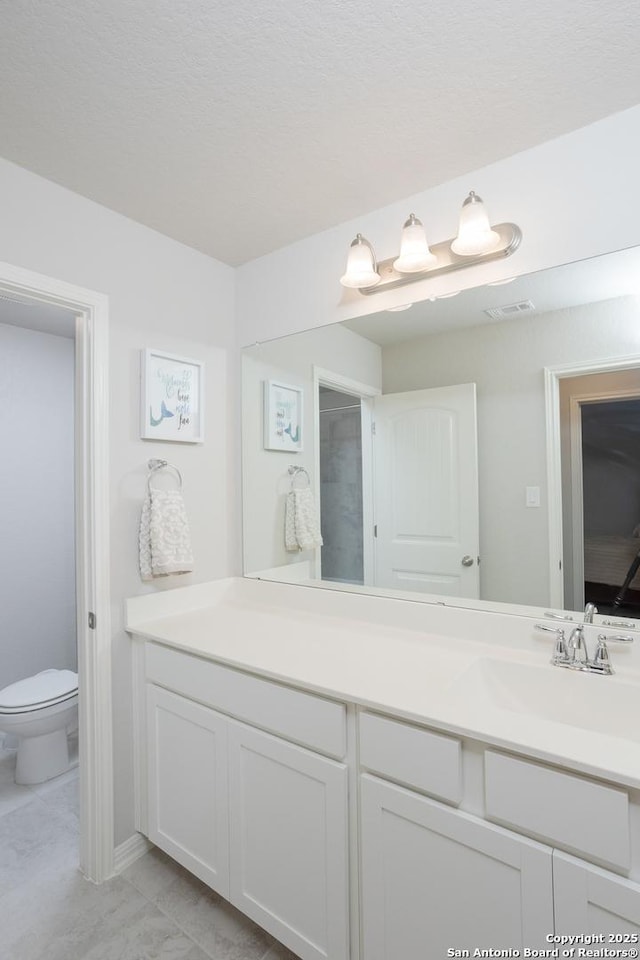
(475, 235)
(415, 255)
(477, 242)
(362, 270)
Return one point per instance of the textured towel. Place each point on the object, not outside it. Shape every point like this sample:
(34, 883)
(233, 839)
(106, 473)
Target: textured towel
(301, 525)
(165, 543)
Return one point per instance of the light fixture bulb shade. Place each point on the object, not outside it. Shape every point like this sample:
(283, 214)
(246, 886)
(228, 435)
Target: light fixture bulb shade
(414, 249)
(361, 265)
(475, 235)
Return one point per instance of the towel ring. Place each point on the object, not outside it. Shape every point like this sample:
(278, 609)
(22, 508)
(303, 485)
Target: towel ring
(296, 471)
(155, 464)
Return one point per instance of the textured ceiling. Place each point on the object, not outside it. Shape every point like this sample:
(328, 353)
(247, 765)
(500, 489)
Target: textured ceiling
(239, 126)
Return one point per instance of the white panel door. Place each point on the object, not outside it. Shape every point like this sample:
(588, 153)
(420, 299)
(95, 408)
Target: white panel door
(188, 785)
(289, 863)
(435, 879)
(426, 491)
(589, 900)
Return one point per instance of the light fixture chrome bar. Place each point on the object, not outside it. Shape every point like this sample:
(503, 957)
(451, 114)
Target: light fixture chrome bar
(447, 261)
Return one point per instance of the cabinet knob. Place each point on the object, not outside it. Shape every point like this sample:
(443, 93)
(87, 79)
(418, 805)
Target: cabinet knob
(467, 561)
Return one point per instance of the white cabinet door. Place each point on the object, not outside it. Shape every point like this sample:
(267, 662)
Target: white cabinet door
(289, 860)
(434, 879)
(591, 900)
(187, 783)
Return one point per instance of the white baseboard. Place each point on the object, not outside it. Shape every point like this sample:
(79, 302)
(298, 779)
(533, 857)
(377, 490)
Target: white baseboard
(128, 852)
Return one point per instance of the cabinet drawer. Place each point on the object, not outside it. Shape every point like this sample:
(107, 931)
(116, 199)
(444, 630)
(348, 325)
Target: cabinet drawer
(419, 758)
(588, 818)
(301, 717)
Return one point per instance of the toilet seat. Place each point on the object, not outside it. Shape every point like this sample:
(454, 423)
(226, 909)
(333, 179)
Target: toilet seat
(43, 690)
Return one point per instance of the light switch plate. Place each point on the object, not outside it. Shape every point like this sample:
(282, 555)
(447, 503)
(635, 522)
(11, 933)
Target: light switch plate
(532, 496)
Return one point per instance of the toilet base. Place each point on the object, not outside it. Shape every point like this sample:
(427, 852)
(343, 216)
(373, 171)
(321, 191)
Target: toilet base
(42, 758)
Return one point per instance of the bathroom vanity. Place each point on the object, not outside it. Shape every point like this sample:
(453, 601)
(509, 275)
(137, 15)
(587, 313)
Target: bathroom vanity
(374, 779)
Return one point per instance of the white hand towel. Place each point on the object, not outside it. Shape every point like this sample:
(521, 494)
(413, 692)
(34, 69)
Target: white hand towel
(301, 523)
(290, 541)
(165, 542)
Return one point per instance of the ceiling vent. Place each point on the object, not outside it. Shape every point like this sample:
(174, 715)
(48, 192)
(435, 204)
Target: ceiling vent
(510, 310)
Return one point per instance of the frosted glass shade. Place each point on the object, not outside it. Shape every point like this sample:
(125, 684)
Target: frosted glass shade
(475, 235)
(414, 249)
(361, 265)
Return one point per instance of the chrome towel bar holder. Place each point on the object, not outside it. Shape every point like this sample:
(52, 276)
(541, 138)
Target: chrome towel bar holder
(155, 464)
(296, 471)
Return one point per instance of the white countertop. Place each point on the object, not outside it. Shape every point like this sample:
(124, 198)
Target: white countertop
(497, 687)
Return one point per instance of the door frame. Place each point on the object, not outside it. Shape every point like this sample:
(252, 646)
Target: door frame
(552, 377)
(92, 555)
(576, 402)
(365, 393)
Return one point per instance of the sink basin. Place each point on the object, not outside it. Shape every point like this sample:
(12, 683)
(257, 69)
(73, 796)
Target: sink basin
(599, 704)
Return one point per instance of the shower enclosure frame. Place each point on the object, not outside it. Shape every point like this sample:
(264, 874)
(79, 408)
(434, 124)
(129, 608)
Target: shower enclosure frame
(92, 555)
(366, 394)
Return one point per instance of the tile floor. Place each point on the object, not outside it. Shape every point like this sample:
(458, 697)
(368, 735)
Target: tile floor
(154, 911)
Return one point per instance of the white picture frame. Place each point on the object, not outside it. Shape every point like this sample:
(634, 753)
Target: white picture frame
(282, 417)
(172, 398)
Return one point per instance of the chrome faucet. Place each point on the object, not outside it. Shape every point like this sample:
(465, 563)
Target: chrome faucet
(589, 611)
(574, 654)
(577, 646)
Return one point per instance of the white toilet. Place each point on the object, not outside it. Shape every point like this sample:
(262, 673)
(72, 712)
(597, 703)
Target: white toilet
(40, 711)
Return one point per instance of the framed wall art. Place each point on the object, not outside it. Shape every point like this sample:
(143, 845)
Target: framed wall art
(172, 398)
(282, 417)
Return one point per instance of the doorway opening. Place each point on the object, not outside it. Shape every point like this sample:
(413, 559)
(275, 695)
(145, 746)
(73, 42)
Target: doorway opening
(341, 498)
(343, 477)
(38, 613)
(593, 428)
(601, 489)
(611, 504)
(91, 517)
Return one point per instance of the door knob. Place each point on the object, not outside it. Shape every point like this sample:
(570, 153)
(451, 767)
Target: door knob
(467, 561)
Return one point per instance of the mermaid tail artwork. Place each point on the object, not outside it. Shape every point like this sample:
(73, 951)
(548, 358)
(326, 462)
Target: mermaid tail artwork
(294, 436)
(164, 414)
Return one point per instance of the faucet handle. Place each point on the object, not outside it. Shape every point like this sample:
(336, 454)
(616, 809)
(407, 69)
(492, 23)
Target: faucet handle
(615, 637)
(560, 652)
(558, 616)
(601, 661)
(559, 631)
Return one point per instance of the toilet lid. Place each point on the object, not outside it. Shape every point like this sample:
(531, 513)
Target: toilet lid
(50, 686)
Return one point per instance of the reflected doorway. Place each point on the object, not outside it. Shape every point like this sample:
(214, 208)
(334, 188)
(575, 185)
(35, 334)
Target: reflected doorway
(600, 414)
(341, 495)
(611, 504)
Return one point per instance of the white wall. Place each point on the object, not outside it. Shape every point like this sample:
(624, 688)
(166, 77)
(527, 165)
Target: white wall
(37, 575)
(265, 479)
(573, 197)
(506, 360)
(161, 295)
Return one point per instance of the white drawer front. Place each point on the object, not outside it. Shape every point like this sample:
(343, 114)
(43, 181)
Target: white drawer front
(301, 717)
(584, 817)
(419, 758)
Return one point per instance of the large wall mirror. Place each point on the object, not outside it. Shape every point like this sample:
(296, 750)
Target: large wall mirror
(481, 449)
